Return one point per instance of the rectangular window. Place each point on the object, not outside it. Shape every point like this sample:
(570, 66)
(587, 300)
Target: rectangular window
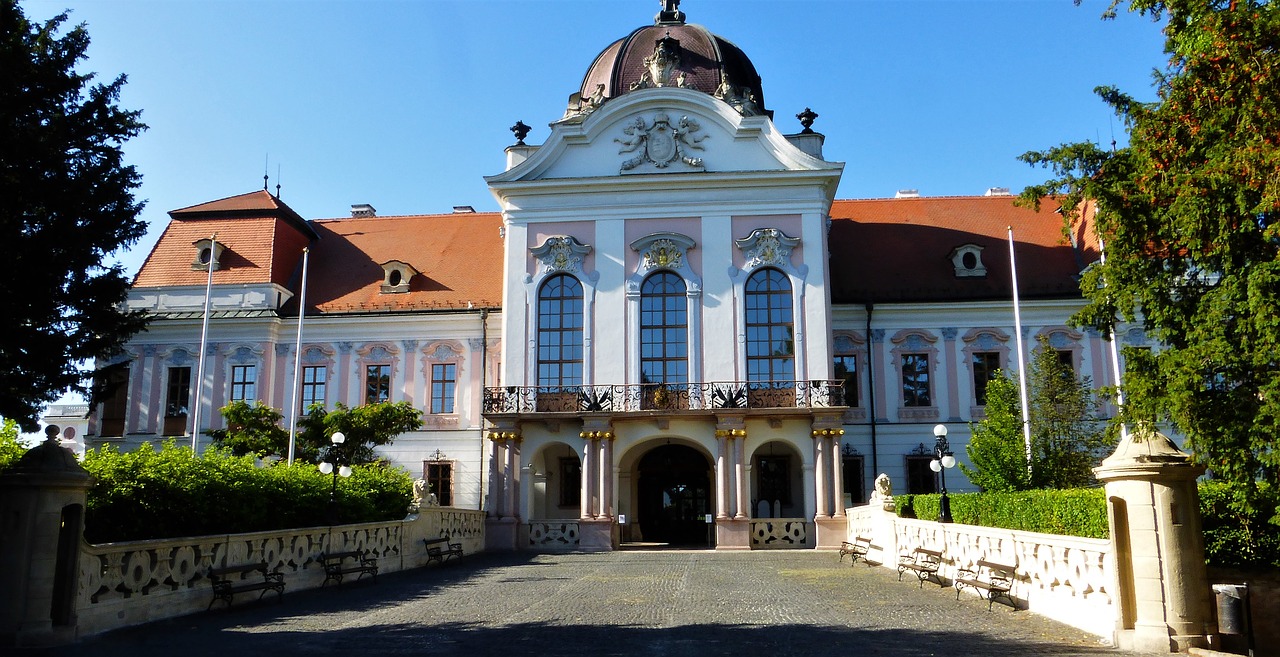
(443, 382)
(439, 476)
(921, 480)
(243, 382)
(177, 397)
(915, 380)
(377, 384)
(313, 380)
(114, 388)
(1067, 360)
(985, 366)
(570, 482)
(847, 371)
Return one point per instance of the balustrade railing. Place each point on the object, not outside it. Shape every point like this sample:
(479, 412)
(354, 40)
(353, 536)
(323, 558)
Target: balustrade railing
(679, 397)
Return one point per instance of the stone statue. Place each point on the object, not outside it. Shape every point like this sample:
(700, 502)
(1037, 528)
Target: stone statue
(883, 494)
(419, 493)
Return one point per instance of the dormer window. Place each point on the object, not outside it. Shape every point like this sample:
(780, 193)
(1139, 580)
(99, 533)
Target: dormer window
(207, 250)
(396, 276)
(967, 260)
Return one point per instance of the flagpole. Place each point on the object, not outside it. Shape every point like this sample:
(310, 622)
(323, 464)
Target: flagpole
(1022, 365)
(1115, 354)
(204, 339)
(297, 356)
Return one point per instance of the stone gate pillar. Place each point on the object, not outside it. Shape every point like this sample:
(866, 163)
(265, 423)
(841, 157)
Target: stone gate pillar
(1161, 587)
(42, 502)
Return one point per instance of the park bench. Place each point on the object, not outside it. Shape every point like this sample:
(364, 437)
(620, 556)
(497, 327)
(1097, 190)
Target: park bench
(336, 566)
(439, 549)
(858, 548)
(923, 563)
(230, 580)
(993, 579)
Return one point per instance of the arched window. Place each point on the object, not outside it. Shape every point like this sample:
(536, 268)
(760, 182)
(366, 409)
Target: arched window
(770, 332)
(560, 332)
(664, 329)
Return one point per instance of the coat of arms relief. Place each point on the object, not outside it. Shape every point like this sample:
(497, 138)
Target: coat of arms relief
(660, 143)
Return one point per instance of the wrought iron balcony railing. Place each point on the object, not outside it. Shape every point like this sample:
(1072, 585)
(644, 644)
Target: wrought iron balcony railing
(663, 397)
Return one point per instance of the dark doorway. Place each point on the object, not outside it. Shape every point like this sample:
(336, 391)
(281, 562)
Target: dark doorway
(675, 496)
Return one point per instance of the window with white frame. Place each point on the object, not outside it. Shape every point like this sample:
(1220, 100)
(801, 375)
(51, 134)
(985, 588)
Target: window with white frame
(560, 339)
(244, 379)
(314, 378)
(444, 381)
(377, 383)
(770, 332)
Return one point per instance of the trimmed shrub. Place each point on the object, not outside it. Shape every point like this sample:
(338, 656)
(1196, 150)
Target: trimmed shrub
(149, 494)
(1233, 537)
(1068, 512)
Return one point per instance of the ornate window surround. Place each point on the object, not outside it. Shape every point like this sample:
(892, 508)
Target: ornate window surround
(853, 343)
(1063, 338)
(376, 353)
(398, 271)
(443, 352)
(561, 254)
(916, 341)
(242, 355)
(201, 246)
(317, 355)
(670, 252)
(984, 339)
(770, 248)
(978, 270)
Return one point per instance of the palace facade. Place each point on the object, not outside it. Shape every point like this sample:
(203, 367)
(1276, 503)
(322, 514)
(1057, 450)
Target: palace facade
(672, 332)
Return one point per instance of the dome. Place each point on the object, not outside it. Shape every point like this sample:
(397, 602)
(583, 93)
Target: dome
(671, 53)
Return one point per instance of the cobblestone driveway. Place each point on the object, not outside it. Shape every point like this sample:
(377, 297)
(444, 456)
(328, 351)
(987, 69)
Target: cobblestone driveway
(677, 603)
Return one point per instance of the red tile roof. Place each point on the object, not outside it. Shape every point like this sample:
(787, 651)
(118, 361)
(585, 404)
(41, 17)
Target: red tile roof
(459, 257)
(899, 250)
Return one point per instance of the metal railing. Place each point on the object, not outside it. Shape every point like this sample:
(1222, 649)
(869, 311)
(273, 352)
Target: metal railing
(663, 397)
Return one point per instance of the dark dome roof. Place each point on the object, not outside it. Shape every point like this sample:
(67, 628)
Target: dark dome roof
(694, 58)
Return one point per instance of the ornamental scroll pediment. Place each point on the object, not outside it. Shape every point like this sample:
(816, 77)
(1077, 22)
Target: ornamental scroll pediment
(767, 247)
(561, 253)
(660, 143)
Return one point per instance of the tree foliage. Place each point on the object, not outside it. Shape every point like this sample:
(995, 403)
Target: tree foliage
(66, 202)
(1067, 440)
(11, 449)
(251, 429)
(365, 427)
(997, 449)
(1190, 214)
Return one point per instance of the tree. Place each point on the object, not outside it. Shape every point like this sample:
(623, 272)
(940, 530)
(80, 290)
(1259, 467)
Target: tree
(997, 449)
(1067, 440)
(11, 449)
(1190, 214)
(66, 203)
(365, 427)
(252, 429)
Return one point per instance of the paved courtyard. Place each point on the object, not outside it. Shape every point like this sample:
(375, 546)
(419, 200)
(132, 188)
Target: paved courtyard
(670, 603)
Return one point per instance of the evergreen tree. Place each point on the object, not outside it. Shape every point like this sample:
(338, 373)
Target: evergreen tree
(66, 203)
(1190, 214)
(1067, 440)
(996, 447)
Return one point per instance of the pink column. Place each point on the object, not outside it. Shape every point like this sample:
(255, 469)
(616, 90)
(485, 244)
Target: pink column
(740, 467)
(498, 496)
(722, 477)
(589, 463)
(837, 472)
(513, 477)
(606, 475)
(822, 507)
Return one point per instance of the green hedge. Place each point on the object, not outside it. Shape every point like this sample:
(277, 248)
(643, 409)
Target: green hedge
(1070, 512)
(1236, 538)
(150, 494)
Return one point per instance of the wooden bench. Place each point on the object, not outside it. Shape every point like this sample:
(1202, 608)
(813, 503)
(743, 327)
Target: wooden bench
(995, 579)
(858, 548)
(923, 563)
(230, 580)
(439, 549)
(336, 566)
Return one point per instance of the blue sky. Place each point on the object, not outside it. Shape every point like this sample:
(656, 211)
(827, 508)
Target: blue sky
(406, 105)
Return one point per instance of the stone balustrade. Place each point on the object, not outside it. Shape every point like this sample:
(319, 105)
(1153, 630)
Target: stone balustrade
(1066, 578)
(779, 533)
(124, 584)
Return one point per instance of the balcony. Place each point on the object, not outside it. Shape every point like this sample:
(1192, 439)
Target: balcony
(668, 398)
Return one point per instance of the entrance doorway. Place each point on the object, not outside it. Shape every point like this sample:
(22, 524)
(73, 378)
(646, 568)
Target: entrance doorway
(674, 490)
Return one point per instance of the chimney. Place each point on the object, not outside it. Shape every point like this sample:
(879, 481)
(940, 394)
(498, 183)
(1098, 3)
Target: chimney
(463, 209)
(907, 193)
(363, 210)
(997, 191)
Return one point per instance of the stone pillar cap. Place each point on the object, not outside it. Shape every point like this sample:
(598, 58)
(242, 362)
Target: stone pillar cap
(1143, 449)
(50, 460)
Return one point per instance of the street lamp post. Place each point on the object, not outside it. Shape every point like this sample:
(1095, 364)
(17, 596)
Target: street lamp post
(942, 460)
(336, 464)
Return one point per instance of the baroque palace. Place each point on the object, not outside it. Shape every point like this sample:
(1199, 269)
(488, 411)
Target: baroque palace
(670, 333)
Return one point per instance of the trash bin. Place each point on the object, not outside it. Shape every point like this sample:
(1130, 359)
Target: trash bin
(1234, 616)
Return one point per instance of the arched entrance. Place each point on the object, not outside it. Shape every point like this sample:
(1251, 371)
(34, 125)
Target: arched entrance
(674, 495)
